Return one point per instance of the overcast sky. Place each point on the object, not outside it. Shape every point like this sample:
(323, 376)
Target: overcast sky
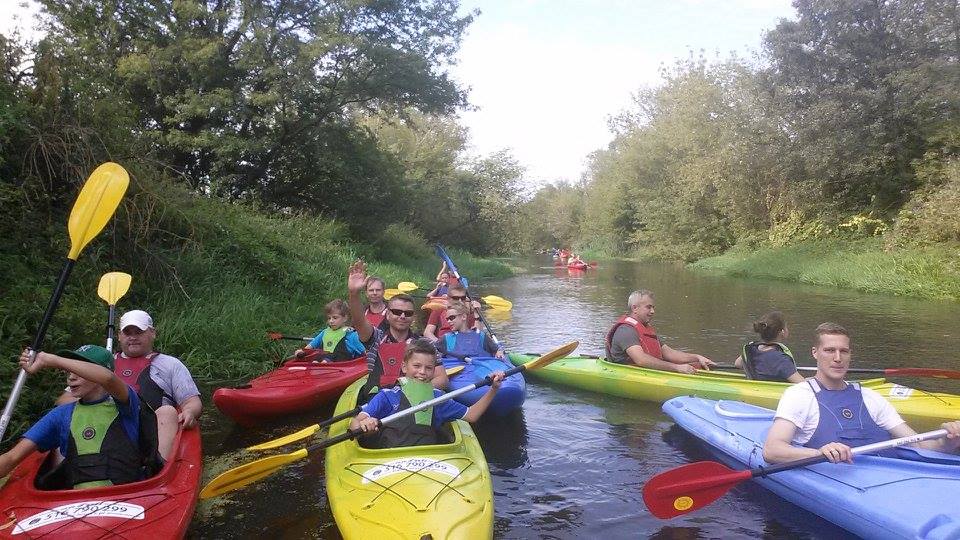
(545, 75)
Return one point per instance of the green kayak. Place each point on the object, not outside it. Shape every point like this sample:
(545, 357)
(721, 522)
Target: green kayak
(922, 410)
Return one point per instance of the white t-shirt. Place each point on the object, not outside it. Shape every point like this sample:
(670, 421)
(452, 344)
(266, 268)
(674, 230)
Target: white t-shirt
(799, 406)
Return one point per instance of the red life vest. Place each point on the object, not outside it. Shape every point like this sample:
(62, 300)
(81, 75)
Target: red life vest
(373, 317)
(391, 359)
(647, 334)
(129, 369)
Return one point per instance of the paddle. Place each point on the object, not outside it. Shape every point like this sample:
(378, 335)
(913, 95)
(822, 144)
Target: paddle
(887, 372)
(691, 487)
(95, 205)
(251, 472)
(493, 301)
(452, 268)
(407, 286)
(277, 335)
(113, 286)
(309, 431)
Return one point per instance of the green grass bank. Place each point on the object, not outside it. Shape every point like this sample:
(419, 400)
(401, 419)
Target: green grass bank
(864, 265)
(215, 276)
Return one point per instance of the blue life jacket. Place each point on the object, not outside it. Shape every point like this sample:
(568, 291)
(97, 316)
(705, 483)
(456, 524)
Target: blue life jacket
(844, 418)
(466, 344)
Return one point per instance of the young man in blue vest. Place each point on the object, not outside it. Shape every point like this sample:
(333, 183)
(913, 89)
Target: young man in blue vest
(99, 434)
(827, 415)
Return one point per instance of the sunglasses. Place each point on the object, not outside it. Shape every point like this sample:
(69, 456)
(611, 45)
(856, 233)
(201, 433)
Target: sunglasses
(451, 317)
(402, 312)
(458, 298)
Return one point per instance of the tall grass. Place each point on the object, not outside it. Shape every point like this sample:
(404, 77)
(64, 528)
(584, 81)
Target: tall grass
(929, 272)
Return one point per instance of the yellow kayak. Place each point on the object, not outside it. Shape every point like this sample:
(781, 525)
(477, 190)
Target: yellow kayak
(921, 409)
(421, 492)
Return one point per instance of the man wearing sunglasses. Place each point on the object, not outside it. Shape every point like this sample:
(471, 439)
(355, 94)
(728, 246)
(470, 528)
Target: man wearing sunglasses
(437, 326)
(385, 348)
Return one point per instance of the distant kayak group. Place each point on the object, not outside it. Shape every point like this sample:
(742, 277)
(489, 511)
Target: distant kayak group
(565, 257)
(122, 454)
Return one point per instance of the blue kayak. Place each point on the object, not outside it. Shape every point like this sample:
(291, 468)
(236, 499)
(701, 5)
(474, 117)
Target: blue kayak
(912, 495)
(512, 391)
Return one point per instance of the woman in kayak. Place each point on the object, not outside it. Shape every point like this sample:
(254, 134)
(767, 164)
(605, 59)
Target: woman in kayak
(338, 341)
(419, 362)
(99, 435)
(462, 342)
(769, 359)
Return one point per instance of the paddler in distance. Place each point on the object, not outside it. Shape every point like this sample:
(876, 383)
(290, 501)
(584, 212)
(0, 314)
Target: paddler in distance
(828, 415)
(631, 340)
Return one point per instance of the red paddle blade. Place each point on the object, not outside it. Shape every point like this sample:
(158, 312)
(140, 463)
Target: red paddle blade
(923, 372)
(690, 487)
(274, 335)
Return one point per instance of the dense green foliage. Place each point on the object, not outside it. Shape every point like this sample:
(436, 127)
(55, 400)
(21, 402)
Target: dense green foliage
(847, 126)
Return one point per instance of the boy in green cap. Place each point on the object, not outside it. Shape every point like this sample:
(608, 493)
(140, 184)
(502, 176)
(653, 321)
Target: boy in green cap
(98, 436)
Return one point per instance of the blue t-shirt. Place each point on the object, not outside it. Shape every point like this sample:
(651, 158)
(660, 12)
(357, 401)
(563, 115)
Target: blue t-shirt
(53, 430)
(772, 365)
(387, 402)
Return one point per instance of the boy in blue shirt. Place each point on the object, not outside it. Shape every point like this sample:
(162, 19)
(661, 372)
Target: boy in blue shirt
(419, 362)
(98, 435)
(338, 341)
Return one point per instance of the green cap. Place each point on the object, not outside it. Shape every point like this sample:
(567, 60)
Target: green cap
(90, 353)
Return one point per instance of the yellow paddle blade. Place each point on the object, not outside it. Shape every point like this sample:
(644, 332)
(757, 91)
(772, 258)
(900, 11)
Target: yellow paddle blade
(552, 356)
(434, 304)
(247, 474)
(287, 439)
(390, 293)
(95, 205)
(454, 370)
(407, 286)
(497, 302)
(113, 286)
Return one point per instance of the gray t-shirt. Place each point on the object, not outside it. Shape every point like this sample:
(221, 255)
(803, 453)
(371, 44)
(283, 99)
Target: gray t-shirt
(624, 337)
(173, 378)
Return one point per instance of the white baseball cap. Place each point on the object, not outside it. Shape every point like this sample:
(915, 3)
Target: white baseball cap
(139, 318)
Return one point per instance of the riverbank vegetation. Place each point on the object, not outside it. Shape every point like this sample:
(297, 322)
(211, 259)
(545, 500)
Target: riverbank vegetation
(843, 129)
(269, 144)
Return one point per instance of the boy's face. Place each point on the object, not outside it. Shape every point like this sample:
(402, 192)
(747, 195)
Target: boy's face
(420, 366)
(336, 320)
(80, 387)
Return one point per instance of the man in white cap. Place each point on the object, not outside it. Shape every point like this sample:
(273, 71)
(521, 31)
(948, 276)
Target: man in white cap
(161, 380)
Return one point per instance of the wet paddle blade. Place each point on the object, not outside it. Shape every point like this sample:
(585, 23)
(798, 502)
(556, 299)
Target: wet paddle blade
(690, 487)
(390, 293)
(96, 203)
(247, 474)
(113, 286)
(407, 286)
(285, 440)
(552, 356)
(497, 302)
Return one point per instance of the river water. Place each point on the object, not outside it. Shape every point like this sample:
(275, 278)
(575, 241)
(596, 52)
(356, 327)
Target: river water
(572, 464)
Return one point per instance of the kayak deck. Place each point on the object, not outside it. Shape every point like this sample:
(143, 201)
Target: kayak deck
(877, 497)
(510, 396)
(922, 410)
(297, 386)
(158, 507)
(442, 490)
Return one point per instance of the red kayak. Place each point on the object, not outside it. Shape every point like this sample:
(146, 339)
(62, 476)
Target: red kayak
(297, 386)
(158, 507)
(578, 266)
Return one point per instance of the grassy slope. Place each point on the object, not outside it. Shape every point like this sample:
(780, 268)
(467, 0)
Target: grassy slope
(862, 265)
(215, 277)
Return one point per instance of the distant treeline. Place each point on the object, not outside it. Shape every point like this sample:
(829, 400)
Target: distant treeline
(847, 124)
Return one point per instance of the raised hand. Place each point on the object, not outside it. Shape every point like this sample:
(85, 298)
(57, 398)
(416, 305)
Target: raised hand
(357, 276)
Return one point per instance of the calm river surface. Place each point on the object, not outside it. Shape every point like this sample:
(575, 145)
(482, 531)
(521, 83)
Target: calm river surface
(572, 464)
